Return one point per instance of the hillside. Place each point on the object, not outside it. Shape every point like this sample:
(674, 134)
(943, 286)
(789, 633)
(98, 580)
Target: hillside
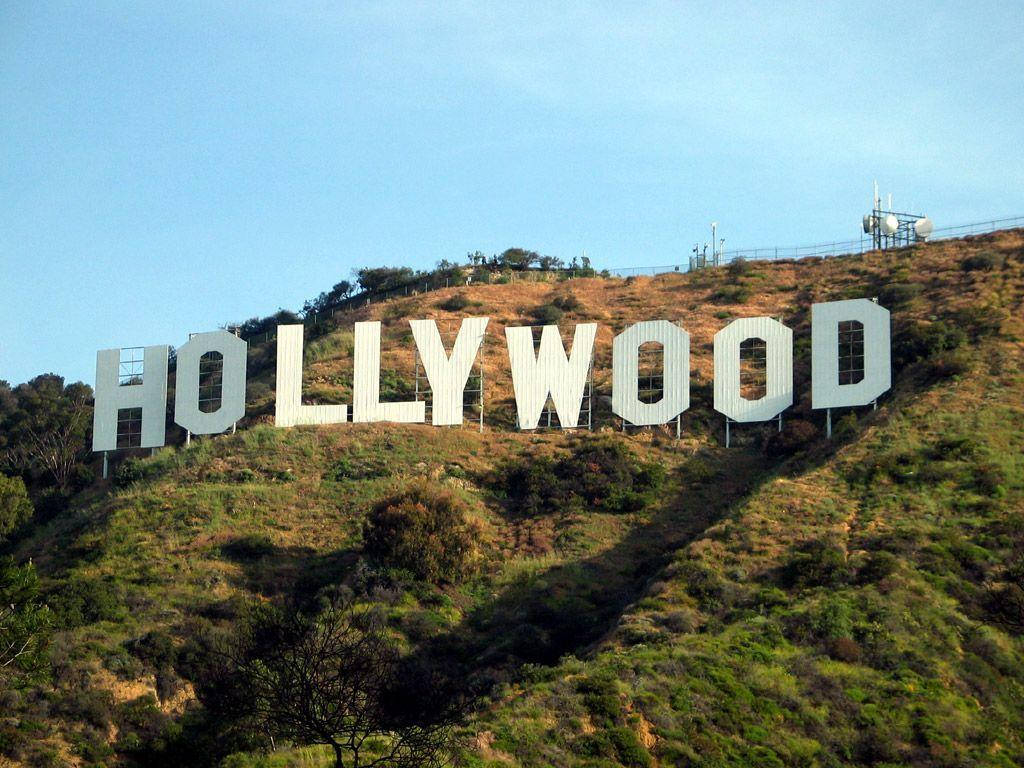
(787, 601)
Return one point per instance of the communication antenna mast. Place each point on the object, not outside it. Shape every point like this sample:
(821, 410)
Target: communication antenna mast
(699, 259)
(892, 229)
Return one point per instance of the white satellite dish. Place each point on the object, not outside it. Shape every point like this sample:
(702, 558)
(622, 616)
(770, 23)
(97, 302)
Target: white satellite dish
(923, 228)
(869, 223)
(890, 224)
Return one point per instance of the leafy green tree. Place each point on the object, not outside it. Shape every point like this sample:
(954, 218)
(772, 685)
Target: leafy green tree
(15, 507)
(333, 677)
(45, 426)
(518, 258)
(338, 293)
(373, 279)
(25, 623)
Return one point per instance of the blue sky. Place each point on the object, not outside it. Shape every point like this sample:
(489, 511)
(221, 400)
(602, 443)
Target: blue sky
(169, 167)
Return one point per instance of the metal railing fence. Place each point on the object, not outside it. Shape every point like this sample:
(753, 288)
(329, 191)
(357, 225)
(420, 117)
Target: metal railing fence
(437, 281)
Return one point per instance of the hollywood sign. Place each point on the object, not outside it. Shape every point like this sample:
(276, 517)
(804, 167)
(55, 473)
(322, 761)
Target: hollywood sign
(538, 372)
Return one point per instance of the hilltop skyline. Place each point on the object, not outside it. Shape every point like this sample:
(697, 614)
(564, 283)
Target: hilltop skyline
(170, 170)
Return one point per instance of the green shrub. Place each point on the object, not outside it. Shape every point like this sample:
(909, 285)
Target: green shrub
(15, 507)
(739, 267)
(547, 314)
(705, 585)
(895, 295)
(599, 473)
(925, 340)
(732, 294)
(423, 529)
(82, 600)
(984, 261)
(567, 302)
(454, 303)
(1004, 600)
(155, 648)
(824, 622)
(947, 365)
(816, 563)
(979, 320)
(129, 473)
(89, 705)
(879, 565)
(531, 486)
(845, 427)
(601, 698)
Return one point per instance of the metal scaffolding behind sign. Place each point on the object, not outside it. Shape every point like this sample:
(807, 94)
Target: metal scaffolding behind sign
(650, 382)
(472, 394)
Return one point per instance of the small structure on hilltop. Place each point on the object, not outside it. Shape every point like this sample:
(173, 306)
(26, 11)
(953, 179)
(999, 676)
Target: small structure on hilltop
(700, 258)
(891, 229)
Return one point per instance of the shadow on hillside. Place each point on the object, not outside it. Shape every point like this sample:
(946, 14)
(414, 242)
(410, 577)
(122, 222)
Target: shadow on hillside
(567, 609)
(287, 572)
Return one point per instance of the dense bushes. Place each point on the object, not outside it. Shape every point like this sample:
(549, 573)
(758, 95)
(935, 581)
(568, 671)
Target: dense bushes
(423, 529)
(816, 563)
(84, 600)
(924, 340)
(129, 473)
(15, 508)
(985, 261)
(454, 303)
(567, 302)
(601, 474)
(547, 314)
(796, 435)
(739, 267)
(612, 740)
(732, 294)
(960, 460)
(895, 295)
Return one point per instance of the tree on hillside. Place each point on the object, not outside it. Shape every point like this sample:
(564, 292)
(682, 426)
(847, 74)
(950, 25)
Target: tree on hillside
(338, 293)
(373, 279)
(518, 258)
(24, 622)
(334, 677)
(424, 530)
(15, 507)
(548, 263)
(44, 428)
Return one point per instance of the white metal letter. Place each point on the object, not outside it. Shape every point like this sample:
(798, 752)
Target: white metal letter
(150, 396)
(233, 353)
(675, 373)
(549, 372)
(448, 376)
(778, 374)
(366, 404)
(826, 391)
(289, 410)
